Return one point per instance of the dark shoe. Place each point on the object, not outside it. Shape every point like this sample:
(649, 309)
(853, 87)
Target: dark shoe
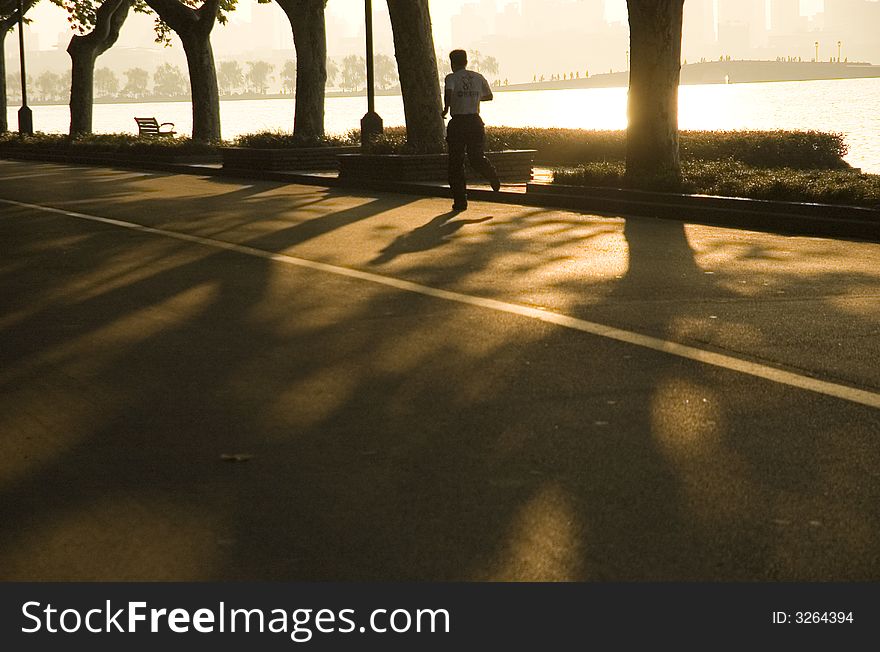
(459, 206)
(496, 183)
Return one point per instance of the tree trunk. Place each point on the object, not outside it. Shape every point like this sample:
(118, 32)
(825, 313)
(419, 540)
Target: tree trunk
(309, 37)
(4, 107)
(417, 67)
(655, 67)
(82, 80)
(203, 84)
(194, 26)
(84, 50)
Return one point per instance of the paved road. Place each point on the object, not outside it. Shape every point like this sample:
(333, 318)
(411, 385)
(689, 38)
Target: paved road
(408, 394)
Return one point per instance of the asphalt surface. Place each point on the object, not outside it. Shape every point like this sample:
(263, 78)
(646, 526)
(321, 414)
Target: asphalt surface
(171, 409)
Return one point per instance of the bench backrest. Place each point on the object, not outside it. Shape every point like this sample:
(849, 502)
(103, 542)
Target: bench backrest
(147, 126)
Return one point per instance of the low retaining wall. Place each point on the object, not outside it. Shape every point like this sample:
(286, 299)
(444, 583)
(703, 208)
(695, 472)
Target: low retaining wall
(289, 158)
(104, 158)
(757, 214)
(512, 166)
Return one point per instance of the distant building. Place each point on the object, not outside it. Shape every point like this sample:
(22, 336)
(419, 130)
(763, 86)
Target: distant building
(31, 41)
(268, 26)
(489, 11)
(469, 26)
(785, 16)
(542, 37)
(698, 32)
(789, 36)
(338, 31)
(734, 38)
(542, 16)
(590, 13)
(137, 32)
(854, 19)
(854, 23)
(741, 19)
(63, 39)
(751, 12)
(509, 22)
(383, 36)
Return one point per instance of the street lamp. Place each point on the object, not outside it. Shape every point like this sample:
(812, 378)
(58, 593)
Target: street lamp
(25, 117)
(838, 51)
(817, 51)
(371, 123)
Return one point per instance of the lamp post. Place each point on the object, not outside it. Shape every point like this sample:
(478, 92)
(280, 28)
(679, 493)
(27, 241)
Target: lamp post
(817, 51)
(839, 44)
(371, 123)
(25, 117)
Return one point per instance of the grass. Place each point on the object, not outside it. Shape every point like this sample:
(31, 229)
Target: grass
(734, 179)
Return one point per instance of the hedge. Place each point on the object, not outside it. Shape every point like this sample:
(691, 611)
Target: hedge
(734, 179)
(772, 149)
(792, 149)
(284, 140)
(104, 143)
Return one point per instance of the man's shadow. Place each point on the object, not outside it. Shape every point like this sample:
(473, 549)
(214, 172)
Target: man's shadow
(428, 236)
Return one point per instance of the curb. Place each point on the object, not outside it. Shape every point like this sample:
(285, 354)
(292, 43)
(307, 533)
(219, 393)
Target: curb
(109, 158)
(789, 218)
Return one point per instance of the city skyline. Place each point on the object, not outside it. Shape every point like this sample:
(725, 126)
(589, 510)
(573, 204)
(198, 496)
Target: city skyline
(346, 11)
(554, 31)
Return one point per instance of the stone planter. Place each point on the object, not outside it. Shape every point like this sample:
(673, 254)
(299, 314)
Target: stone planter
(512, 166)
(289, 158)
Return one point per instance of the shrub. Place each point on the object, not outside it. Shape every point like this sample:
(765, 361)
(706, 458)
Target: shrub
(734, 179)
(560, 146)
(283, 140)
(768, 149)
(392, 141)
(784, 149)
(793, 149)
(106, 143)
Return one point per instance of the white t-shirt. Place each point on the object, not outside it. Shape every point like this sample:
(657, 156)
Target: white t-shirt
(466, 89)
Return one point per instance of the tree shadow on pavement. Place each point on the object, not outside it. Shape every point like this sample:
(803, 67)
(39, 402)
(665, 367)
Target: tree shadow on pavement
(386, 435)
(434, 234)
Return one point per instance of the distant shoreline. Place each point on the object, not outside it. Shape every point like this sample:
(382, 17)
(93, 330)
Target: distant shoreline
(709, 72)
(720, 72)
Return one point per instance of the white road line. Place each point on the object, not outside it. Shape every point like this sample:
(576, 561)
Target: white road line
(851, 394)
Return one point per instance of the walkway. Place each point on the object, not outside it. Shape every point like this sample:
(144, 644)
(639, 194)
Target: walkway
(202, 378)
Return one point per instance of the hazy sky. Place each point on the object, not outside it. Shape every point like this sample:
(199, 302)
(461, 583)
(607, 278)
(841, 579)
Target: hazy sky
(49, 20)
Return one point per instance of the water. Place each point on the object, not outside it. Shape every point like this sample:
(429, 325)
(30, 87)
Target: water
(850, 106)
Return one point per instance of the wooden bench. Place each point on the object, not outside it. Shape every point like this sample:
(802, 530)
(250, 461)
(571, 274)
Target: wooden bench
(151, 128)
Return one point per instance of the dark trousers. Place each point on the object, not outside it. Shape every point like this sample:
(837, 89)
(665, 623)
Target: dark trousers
(466, 134)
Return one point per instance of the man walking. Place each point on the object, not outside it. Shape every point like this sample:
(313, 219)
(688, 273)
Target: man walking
(465, 89)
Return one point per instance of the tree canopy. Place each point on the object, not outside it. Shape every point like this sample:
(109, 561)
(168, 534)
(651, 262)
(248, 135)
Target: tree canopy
(9, 14)
(83, 14)
(174, 12)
